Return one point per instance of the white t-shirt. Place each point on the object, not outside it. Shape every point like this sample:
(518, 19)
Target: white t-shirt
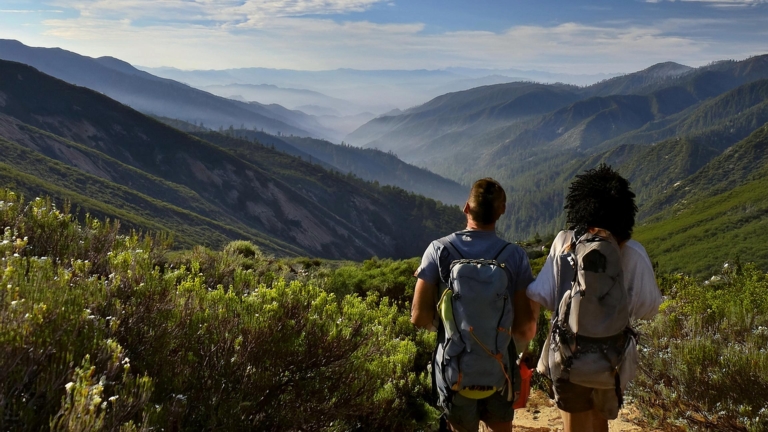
(639, 279)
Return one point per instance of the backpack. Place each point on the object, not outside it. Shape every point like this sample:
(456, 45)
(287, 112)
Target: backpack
(475, 352)
(591, 342)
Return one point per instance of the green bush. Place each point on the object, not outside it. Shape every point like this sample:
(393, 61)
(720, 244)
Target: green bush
(392, 279)
(100, 331)
(703, 359)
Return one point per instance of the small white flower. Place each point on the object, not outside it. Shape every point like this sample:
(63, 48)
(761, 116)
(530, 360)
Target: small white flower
(69, 385)
(113, 398)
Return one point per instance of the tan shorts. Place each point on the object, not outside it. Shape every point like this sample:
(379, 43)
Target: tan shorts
(574, 398)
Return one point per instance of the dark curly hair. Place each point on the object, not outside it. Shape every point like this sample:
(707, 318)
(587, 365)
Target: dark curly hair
(601, 198)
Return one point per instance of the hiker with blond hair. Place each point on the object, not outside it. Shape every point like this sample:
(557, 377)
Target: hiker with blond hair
(598, 282)
(471, 290)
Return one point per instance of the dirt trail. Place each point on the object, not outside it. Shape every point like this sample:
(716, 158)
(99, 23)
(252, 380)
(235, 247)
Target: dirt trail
(541, 415)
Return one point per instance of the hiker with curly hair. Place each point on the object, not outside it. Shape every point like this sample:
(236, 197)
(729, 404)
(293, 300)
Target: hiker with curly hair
(598, 282)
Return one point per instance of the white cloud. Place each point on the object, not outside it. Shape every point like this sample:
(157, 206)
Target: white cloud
(29, 11)
(208, 34)
(223, 12)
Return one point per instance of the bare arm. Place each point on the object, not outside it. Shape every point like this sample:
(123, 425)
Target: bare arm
(526, 315)
(424, 307)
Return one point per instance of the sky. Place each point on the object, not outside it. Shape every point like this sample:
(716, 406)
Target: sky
(564, 36)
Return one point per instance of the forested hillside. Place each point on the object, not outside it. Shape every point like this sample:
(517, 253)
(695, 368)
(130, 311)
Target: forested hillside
(367, 164)
(90, 145)
(658, 126)
(385, 168)
(716, 215)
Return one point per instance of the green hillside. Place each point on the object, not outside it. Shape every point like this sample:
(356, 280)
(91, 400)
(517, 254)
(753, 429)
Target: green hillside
(475, 111)
(742, 162)
(33, 174)
(368, 164)
(270, 197)
(705, 132)
(658, 126)
(109, 332)
(716, 215)
(743, 107)
(385, 168)
(711, 231)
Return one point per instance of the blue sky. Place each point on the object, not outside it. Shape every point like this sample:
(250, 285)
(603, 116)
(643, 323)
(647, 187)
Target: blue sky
(560, 36)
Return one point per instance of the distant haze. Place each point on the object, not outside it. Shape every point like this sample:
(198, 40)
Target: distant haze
(351, 91)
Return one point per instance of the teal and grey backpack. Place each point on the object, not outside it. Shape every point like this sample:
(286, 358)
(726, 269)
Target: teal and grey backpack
(475, 355)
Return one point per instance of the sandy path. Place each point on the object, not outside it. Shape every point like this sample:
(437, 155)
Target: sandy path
(541, 415)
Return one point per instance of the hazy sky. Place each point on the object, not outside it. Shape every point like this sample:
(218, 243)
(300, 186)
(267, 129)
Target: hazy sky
(561, 36)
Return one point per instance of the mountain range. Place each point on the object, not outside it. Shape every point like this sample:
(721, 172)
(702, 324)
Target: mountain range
(376, 91)
(108, 159)
(692, 141)
(662, 127)
(159, 96)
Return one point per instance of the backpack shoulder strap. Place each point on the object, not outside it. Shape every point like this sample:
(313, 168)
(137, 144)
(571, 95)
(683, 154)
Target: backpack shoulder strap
(452, 251)
(504, 253)
(445, 259)
(567, 272)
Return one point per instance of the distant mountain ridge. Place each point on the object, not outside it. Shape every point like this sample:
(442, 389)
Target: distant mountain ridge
(66, 140)
(159, 96)
(630, 83)
(534, 155)
(376, 91)
(410, 133)
(289, 97)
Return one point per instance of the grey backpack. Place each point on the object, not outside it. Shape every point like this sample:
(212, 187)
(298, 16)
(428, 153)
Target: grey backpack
(591, 342)
(475, 352)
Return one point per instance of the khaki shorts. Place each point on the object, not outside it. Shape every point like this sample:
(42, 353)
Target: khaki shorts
(464, 414)
(574, 398)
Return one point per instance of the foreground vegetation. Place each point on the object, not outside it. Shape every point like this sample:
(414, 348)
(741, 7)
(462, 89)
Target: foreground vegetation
(102, 331)
(704, 362)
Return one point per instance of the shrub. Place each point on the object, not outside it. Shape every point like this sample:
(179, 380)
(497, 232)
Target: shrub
(243, 248)
(388, 278)
(99, 332)
(703, 359)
